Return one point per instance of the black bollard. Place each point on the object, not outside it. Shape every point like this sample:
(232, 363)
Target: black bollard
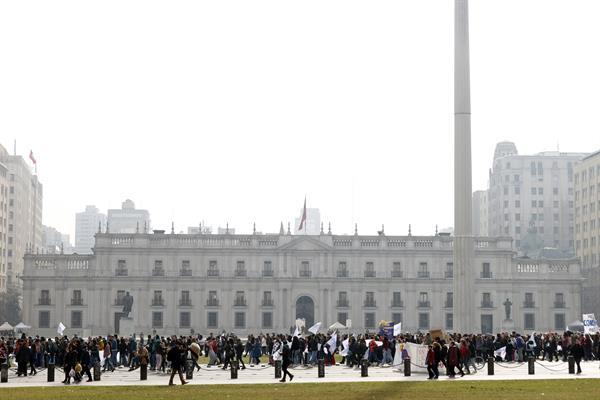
(189, 371)
(407, 367)
(364, 368)
(50, 372)
(571, 361)
(4, 373)
(97, 373)
(531, 366)
(278, 369)
(234, 369)
(143, 372)
(490, 363)
(321, 368)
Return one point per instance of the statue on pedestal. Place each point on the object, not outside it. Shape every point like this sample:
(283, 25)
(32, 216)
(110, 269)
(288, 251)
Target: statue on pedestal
(127, 304)
(507, 306)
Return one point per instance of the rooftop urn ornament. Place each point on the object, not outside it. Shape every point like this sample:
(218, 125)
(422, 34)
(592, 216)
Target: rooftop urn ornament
(99, 227)
(254, 228)
(329, 229)
(409, 230)
(172, 228)
(227, 228)
(137, 227)
(436, 230)
(281, 231)
(289, 232)
(355, 229)
(321, 233)
(107, 231)
(145, 227)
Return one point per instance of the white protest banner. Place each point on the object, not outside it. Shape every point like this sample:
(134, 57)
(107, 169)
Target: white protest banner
(332, 344)
(398, 329)
(345, 348)
(590, 325)
(501, 352)
(315, 328)
(61, 328)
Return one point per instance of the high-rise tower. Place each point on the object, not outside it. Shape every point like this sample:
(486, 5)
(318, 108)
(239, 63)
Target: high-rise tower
(464, 253)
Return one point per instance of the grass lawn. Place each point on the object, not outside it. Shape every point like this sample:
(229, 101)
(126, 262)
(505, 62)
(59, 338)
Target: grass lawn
(509, 390)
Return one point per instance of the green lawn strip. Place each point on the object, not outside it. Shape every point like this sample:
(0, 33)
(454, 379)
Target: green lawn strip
(480, 390)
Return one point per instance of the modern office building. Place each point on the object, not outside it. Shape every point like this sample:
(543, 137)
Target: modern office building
(3, 225)
(587, 211)
(87, 224)
(480, 213)
(531, 198)
(128, 219)
(24, 215)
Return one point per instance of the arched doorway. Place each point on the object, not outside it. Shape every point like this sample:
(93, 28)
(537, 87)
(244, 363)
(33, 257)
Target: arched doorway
(305, 308)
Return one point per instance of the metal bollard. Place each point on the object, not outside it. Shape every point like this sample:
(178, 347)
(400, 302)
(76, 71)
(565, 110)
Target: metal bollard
(364, 368)
(321, 368)
(4, 373)
(278, 369)
(490, 365)
(571, 361)
(189, 371)
(234, 369)
(50, 372)
(407, 367)
(531, 366)
(97, 372)
(143, 372)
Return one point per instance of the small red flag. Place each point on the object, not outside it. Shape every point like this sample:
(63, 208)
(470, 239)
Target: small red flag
(303, 219)
(31, 157)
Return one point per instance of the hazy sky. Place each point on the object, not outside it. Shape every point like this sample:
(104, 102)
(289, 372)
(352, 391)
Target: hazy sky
(235, 110)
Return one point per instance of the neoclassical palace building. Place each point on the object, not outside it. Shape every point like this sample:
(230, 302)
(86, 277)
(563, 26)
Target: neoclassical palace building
(262, 283)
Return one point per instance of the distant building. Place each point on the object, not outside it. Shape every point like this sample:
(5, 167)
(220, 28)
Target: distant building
(480, 213)
(3, 226)
(587, 211)
(128, 219)
(55, 242)
(313, 222)
(531, 198)
(226, 230)
(24, 222)
(587, 229)
(87, 224)
(196, 230)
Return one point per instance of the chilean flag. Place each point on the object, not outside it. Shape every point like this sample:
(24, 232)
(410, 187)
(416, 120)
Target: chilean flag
(303, 219)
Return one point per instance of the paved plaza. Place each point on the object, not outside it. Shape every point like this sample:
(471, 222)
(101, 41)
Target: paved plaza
(265, 374)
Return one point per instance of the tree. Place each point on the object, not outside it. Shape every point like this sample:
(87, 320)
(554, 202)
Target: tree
(10, 310)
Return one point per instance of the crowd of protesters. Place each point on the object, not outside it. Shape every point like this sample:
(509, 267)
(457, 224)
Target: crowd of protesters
(172, 355)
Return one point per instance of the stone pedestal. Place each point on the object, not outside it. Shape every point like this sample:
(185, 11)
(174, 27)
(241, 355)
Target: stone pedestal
(508, 325)
(126, 327)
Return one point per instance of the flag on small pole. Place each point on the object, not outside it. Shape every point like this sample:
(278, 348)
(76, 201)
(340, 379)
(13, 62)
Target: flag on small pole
(33, 160)
(303, 219)
(61, 328)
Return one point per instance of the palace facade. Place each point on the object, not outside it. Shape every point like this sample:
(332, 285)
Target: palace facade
(262, 283)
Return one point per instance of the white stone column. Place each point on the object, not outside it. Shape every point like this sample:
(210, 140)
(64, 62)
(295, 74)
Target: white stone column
(464, 279)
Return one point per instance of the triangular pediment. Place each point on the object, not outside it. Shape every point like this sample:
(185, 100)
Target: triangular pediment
(305, 243)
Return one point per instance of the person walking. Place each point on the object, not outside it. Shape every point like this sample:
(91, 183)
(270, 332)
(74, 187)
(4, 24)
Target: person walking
(286, 360)
(577, 353)
(432, 363)
(176, 356)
